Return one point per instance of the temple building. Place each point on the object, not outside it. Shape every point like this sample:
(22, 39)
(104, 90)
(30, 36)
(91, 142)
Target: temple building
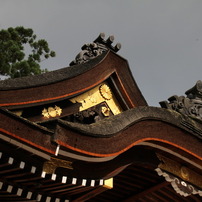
(86, 133)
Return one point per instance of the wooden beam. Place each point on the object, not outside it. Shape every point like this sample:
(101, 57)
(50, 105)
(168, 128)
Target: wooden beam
(107, 184)
(147, 191)
(90, 194)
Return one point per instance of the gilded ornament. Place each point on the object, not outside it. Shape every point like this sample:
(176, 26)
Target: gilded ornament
(97, 95)
(105, 111)
(45, 113)
(52, 112)
(105, 92)
(58, 110)
(184, 173)
(181, 187)
(50, 166)
(18, 112)
(109, 183)
(92, 98)
(176, 169)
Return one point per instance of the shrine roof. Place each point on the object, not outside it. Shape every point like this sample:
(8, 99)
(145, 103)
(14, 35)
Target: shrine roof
(64, 133)
(111, 126)
(50, 77)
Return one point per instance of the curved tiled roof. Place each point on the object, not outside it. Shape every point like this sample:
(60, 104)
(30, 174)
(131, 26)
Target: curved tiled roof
(114, 124)
(50, 77)
(61, 160)
(72, 184)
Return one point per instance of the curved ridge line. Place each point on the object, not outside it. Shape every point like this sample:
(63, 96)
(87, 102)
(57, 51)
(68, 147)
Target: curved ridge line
(58, 97)
(127, 148)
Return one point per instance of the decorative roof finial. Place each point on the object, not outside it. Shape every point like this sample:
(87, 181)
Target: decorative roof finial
(92, 50)
(190, 105)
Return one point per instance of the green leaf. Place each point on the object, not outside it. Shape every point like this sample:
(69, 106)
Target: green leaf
(14, 62)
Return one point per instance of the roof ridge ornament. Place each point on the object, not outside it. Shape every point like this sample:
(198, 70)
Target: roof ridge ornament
(96, 48)
(190, 105)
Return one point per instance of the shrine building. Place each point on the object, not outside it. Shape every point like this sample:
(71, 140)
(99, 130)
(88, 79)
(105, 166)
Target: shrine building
(86, 133)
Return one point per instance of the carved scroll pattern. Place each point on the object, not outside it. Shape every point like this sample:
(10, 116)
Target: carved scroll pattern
(181, 187)
(94, 49)
(190, 105)
(184, 180)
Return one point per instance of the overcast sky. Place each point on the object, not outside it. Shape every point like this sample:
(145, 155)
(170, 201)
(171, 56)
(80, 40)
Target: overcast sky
(161, 39)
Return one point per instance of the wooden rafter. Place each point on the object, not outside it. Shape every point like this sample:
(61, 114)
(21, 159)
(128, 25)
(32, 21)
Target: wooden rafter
(146, 191)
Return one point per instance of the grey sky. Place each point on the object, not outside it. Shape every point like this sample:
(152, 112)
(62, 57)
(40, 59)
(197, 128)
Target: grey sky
(161, 39)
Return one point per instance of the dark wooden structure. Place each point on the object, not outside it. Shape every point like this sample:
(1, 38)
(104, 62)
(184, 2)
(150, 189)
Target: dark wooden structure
(86, 133)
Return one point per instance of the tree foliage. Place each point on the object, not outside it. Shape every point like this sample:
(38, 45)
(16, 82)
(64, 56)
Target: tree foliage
(14, 42)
